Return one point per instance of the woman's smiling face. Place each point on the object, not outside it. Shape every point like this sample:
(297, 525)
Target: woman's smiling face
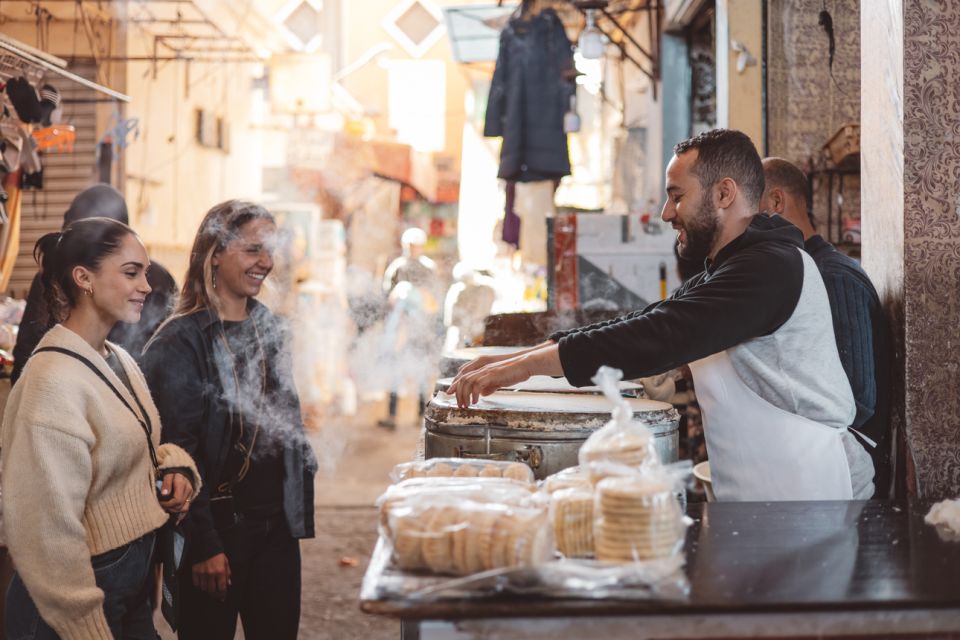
(119, 286)
(247, 260)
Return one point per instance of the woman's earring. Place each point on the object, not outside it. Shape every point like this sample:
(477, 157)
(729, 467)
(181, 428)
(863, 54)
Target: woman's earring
(89, 291)
(213, 277)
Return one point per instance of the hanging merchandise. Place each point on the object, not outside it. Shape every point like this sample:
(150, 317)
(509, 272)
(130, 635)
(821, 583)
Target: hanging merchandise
(120, 133)
(49, 105)
(24, 99)
(59, 138)
(32, 174)
(529, 95)
(11, 144)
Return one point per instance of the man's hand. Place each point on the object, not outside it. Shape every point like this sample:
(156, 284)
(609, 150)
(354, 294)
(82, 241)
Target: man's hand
(483, 361)
(212, 576)
(469, 386)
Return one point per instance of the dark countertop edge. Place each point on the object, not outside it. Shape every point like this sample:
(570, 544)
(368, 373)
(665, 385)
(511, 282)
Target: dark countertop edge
(515, 608)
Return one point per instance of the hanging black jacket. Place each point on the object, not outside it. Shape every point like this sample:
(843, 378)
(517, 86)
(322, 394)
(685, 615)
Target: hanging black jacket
(528, 97)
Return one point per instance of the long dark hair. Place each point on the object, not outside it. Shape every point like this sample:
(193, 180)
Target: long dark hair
(84, 243)
(221, 225)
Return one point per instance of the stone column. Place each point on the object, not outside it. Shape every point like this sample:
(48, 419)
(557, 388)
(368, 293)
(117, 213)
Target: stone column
(911, 221)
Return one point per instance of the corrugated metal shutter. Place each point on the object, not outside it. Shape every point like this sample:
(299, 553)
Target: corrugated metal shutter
(64, 175)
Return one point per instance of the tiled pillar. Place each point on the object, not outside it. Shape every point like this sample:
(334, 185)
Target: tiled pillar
(910, 187)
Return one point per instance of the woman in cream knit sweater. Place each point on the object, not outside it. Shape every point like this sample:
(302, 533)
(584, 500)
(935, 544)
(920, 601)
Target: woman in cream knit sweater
(81, 454)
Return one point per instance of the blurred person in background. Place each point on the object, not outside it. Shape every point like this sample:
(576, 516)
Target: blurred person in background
(100, 200)
(82, 454)
(467, 304)
(412, 329)
(221, 372)
(412, 266)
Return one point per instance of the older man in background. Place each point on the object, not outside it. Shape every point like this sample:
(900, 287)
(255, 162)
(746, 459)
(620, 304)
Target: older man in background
(859, 323)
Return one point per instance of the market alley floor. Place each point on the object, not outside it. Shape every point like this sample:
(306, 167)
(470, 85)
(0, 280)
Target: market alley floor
(356, 457)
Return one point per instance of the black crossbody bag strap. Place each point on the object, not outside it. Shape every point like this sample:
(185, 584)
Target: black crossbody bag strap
(146, 426)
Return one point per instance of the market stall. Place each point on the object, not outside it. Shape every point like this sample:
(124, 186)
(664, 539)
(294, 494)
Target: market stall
(785, 570)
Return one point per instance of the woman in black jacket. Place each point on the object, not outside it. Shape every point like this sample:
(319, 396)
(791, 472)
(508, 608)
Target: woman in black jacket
(221, 375)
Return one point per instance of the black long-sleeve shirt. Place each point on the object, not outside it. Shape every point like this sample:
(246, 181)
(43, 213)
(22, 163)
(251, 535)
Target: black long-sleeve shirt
(750, 289)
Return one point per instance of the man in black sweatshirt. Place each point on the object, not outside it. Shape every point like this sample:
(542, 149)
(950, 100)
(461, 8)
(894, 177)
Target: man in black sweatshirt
(859, 323)
(754, 326)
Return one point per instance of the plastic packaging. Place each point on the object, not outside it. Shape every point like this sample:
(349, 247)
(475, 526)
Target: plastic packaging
(571, 477)
(662, 579)
(637, 518)
(622, 441)
(571, 512)
(460, 467)
(439, 489)
(945, 516)
(502, 536)
(466, 537)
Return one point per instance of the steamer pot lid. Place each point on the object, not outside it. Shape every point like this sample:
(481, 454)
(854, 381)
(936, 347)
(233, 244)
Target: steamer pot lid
(470, 353)
(547, 384)
(549, 403)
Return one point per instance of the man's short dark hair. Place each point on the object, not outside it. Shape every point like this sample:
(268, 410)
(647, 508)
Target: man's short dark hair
(783, 174)
(726, 153)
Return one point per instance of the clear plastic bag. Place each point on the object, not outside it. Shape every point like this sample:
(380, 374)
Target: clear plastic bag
(571, 477)
(462, 468)
(571, 512)
(662, 579)
(440, 489)
(622, 441)
(637, 518)
(620, 505)
(466, 537)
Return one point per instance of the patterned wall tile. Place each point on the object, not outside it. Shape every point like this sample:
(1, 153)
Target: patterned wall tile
(931, 130)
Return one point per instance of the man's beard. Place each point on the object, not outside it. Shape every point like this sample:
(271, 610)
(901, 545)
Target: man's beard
(701, 230)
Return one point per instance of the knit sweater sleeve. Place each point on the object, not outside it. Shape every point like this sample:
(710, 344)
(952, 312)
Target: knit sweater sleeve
(46, 477)
(496, 99)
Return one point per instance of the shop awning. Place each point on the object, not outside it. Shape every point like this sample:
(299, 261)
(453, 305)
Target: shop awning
(474, 30)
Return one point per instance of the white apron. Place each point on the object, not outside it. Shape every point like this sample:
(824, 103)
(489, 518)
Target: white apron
(759, 451)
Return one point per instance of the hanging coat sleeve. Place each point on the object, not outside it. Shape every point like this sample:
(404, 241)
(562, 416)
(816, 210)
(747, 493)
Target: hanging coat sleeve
(496, 100)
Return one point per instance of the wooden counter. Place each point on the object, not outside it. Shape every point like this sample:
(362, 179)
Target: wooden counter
(784, 569)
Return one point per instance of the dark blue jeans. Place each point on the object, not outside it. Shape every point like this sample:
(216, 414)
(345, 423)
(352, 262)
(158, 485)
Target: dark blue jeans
(124, 574)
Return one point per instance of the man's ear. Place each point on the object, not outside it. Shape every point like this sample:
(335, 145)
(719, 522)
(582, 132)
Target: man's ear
(778, 200)
(725, 192)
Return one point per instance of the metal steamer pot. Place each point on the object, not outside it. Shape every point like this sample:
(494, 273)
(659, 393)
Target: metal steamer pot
(542, 430)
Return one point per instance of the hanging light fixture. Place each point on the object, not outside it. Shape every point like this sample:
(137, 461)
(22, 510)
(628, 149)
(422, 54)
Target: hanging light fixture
(590, 43)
